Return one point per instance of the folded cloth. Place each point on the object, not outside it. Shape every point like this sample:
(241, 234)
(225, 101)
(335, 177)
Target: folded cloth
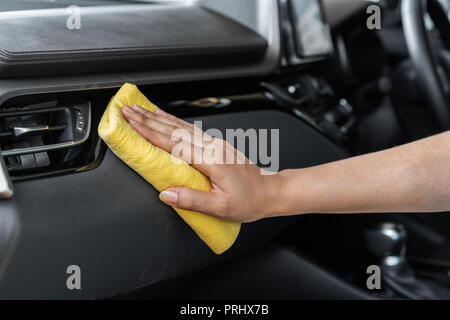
(158, 168)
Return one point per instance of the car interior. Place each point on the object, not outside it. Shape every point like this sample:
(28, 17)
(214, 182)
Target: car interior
(323, 72)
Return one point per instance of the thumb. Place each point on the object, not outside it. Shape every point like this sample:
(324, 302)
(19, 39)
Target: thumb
(193, 200)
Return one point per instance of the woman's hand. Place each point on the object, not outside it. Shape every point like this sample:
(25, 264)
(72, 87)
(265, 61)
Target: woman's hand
(240, 192)
(409, 178)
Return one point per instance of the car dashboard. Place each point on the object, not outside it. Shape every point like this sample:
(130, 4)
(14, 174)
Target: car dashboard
(70, 200)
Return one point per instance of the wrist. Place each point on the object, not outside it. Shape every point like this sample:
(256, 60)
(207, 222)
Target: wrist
(278, 199)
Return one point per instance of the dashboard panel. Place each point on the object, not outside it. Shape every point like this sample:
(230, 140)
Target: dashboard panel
(110, 220)
(261, 16)
(94, 217)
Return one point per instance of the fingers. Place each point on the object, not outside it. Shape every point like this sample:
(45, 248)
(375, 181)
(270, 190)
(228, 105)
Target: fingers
(191, 145)
(167, 126)
(176, 141)
(139, 114)
(139, 117)
(195, 200)
(181, 123)
(148, 114)
(159, 139)
(193, 155)
(164, 117)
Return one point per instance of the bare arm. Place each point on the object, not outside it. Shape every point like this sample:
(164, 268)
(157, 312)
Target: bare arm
(410, 178)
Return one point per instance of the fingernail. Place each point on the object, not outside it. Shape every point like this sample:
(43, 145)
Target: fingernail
(138, 107)
(169, 196)
(127, 109)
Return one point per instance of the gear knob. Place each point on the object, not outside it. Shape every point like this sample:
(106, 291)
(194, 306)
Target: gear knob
(387, 242)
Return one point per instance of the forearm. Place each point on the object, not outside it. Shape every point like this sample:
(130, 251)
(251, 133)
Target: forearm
(410, 178)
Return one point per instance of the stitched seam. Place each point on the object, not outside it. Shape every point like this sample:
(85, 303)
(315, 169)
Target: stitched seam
(8, 56)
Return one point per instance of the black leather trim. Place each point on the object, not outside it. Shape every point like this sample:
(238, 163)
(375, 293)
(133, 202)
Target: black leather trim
(131, 37)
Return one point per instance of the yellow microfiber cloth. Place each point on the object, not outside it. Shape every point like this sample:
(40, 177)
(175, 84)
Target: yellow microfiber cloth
(158, 168)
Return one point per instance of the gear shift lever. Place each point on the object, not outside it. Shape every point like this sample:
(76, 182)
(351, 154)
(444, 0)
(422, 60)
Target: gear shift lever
(387, 242)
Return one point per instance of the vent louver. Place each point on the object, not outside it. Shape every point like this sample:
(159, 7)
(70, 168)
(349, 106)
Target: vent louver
(42, 137)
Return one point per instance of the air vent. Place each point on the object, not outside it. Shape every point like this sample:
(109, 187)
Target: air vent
(43, 137)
